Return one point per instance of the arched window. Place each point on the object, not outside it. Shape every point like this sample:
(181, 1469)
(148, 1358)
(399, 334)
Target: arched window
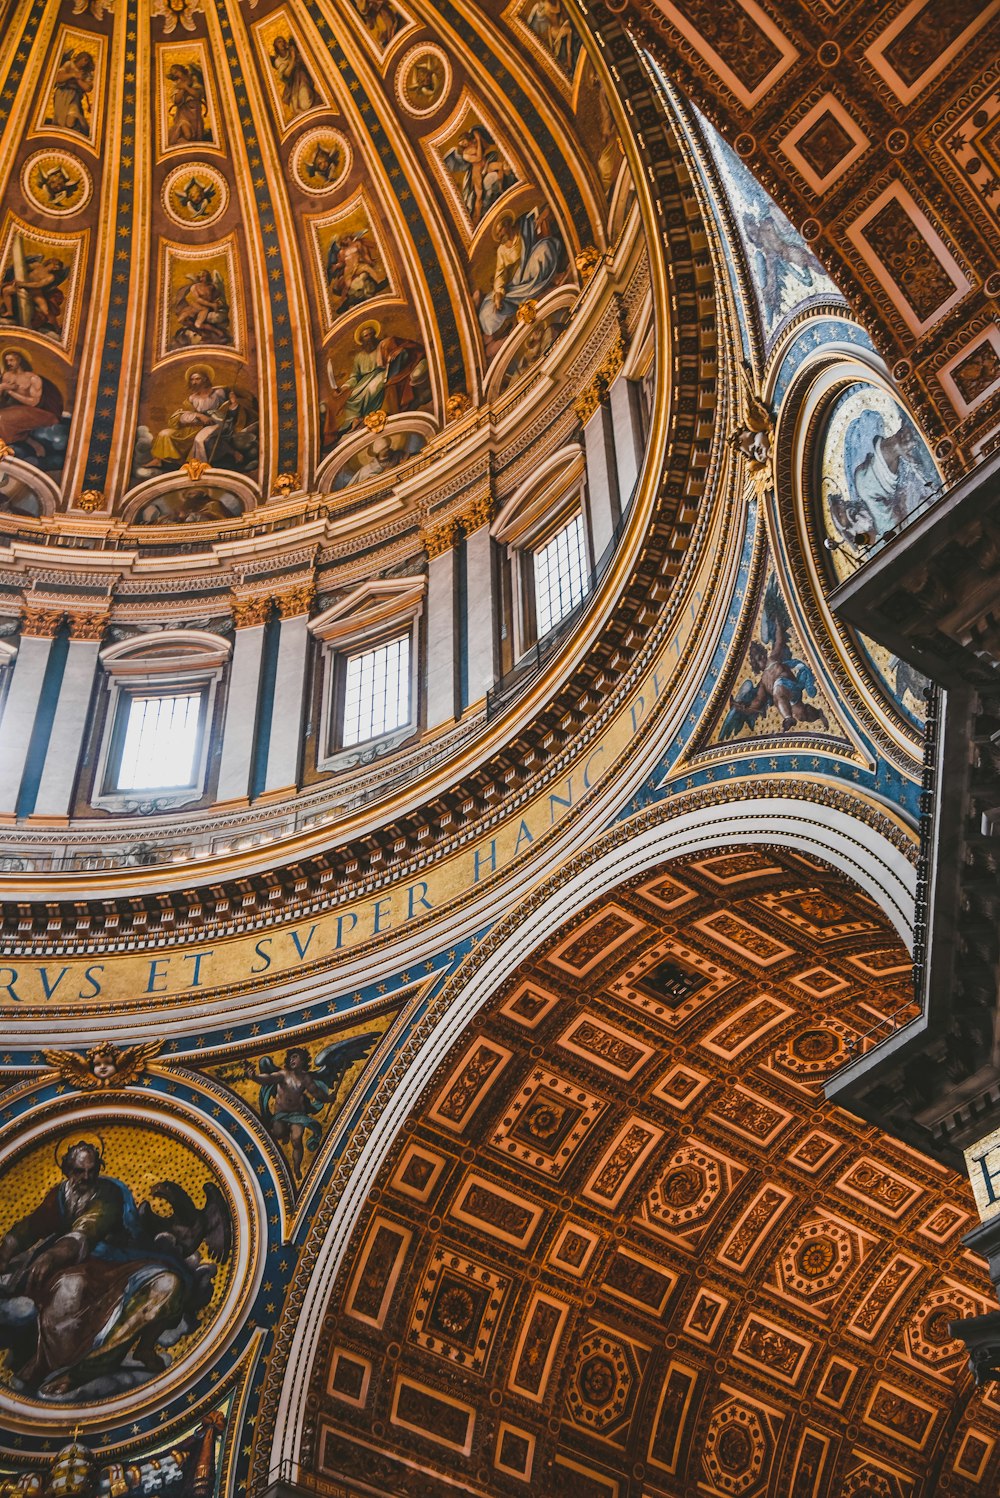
(157, 734)
(369, 668)
(544, 528)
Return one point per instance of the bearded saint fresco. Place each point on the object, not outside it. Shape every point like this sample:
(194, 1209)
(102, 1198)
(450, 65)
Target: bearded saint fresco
(876, 469)
(387, 374)
(95, 1286)
(530, 260)
(31, 412)
(214, 424)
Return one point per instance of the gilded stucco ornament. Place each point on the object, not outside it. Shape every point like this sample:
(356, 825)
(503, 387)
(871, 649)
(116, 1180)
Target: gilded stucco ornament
(296, 601)
(41, 622)
(249, 612)
(587, 261)
(90, 500)
(438, 539)
(753, 439)
(457, 405)
(285, 484)
(105, 1066)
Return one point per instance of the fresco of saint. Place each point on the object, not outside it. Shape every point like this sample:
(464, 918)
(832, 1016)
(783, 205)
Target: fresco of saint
(381, 457)
(354, 270)
(91, 1279)
(550, 22)
(381, 19)
(530, 260)
(31, 291)
(29, 405)
(200, 311)
(876, 467)
(387, 374)
(214, 424)
(190, 507)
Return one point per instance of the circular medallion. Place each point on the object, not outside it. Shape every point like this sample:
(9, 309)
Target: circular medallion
(195, 194)
(56, 183)
(321, 160)
(423, 78)
(127, 1259)
(875, 471)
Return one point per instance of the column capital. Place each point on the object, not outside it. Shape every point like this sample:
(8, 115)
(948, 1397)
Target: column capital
(605, 375)
(296, 601)
(478, 514)
(437, 539)
(40, 622)
(252, 610)
(88, 626)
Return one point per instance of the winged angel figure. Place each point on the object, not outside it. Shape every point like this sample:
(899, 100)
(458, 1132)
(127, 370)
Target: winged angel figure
(778, 679)
(295, 1099)
(104, 1067)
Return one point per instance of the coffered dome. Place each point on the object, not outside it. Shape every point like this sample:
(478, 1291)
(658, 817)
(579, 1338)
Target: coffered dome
(253, 249)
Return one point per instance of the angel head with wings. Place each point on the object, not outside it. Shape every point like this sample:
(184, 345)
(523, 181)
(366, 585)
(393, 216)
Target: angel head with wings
(105, 1065)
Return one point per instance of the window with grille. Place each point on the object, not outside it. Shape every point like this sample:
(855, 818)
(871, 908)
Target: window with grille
(161, 741)
(560, 575)
(376, 691)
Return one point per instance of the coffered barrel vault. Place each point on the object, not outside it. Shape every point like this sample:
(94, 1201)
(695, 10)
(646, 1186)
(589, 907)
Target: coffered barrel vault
(491, 770)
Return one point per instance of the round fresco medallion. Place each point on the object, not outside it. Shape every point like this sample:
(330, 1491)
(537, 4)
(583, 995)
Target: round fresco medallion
(56, 183)
(321, 160)
(195, 194)
(423, 78)
(126, 1260)
(875, 471)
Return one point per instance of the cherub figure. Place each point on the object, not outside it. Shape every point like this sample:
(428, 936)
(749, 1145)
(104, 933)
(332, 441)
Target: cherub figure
(782, 681)
(295, 1098)
(105, 1065)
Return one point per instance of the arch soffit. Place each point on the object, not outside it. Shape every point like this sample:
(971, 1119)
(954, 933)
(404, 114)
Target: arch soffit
(859, 850)
(799, 429)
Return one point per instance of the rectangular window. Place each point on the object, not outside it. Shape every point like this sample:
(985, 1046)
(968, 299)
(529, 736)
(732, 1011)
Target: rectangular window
(560, 575)
(161, 741)
(377, 691)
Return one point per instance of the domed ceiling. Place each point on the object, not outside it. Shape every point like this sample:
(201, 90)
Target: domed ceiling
(234, 233)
